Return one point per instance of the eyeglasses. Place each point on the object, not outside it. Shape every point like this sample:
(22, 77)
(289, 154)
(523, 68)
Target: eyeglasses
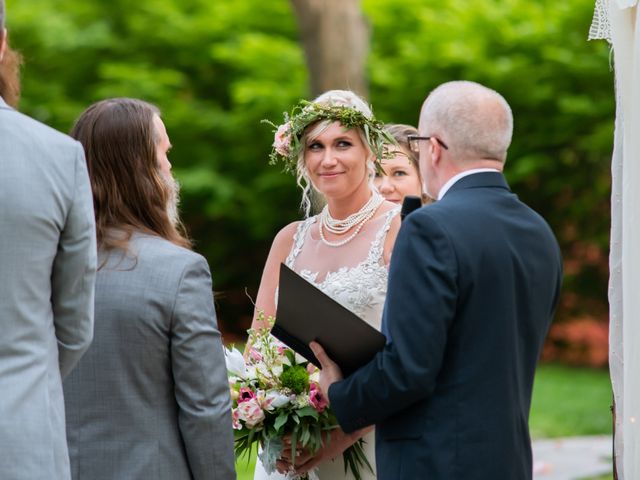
(414, 144)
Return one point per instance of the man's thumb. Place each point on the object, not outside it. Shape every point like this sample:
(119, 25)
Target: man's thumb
(320, 354)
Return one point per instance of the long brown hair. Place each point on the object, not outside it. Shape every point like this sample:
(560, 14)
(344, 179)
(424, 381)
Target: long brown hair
(10, 75)
(129, 192)
(9, 67)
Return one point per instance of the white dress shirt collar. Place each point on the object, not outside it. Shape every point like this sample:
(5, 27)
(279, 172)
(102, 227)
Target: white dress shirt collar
(445, 188)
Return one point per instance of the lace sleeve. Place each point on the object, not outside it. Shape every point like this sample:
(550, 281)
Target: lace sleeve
(298, 241)
(377, 246)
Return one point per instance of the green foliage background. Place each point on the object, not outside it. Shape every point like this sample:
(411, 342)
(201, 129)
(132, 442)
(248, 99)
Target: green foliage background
(216, 68)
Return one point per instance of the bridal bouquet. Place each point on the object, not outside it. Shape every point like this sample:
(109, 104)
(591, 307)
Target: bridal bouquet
(275, 393)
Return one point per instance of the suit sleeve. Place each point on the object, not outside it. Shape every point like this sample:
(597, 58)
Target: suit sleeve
(419, 310)
(73, 273)
(200, 375)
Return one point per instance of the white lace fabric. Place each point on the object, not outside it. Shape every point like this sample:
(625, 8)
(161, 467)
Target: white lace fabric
(600, 26)
(354, 274)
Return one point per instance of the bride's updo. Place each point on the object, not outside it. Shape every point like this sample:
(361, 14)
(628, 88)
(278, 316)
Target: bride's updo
(343, 98)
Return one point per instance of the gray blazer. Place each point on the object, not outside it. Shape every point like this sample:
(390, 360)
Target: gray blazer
(47, 273)
(150, 399)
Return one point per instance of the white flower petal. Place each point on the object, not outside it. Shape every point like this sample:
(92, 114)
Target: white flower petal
(277, 400)
(235, 362)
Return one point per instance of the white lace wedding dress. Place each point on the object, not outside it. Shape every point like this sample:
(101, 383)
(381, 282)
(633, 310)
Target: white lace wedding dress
(354, 275)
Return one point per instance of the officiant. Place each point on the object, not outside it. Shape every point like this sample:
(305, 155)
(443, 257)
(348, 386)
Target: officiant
(473, 285)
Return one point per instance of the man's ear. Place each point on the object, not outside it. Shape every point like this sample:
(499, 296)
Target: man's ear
(436, 151)
(3, 42)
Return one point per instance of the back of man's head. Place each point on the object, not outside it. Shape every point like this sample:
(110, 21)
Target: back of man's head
(473, 120)
(130, 193)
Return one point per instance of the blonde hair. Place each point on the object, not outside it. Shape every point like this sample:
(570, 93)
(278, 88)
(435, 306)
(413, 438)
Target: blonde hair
(343, 98)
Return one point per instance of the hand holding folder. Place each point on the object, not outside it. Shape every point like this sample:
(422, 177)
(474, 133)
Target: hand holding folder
(305, 314)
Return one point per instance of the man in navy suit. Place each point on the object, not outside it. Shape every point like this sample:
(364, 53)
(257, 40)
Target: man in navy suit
(473, 285)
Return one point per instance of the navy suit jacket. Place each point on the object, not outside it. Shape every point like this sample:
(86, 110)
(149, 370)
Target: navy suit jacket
(473, 285)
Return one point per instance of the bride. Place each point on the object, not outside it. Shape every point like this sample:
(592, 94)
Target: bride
(335, 145)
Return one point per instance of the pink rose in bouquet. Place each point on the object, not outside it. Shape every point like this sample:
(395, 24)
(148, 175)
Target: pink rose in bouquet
(275, 395)
(317, 399)
(250, 412)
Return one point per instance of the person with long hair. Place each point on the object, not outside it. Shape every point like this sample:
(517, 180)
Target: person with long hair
(10, 63)
(334, 145)
(150, 398)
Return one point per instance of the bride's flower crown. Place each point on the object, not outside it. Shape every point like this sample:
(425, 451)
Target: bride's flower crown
(287, 146)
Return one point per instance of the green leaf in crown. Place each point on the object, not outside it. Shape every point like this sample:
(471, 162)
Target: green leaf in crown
(287, 145)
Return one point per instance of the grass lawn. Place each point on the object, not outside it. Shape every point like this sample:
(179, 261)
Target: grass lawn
(570, 402)
(567, 402)
(244, 469)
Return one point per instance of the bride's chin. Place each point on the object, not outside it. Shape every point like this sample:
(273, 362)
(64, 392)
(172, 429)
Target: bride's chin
(333, 193)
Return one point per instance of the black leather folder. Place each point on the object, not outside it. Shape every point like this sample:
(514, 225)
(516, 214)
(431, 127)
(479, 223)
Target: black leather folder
(305, 313)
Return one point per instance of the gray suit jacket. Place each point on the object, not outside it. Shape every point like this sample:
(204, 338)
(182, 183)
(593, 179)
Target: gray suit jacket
(150, 399)
(47, 272)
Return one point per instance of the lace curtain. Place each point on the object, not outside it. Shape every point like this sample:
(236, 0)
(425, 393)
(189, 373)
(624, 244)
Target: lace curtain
(600, 27)
(618, 22)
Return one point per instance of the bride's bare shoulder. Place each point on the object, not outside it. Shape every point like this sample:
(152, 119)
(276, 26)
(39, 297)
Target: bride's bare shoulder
(283, 240)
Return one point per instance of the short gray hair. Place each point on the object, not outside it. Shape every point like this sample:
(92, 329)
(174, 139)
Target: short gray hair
(473, 120)
(2, 10)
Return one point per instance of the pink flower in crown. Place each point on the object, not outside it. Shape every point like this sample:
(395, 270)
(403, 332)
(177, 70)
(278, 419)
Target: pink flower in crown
(235, 419)
(282, 140)
(250, 412)
(317, 399)
(245, 394)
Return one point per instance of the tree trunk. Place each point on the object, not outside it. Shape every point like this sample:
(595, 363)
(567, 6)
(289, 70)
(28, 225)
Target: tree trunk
(335, 37)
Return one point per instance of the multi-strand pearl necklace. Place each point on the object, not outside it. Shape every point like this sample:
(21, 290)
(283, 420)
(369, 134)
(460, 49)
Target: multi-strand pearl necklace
(340, 227)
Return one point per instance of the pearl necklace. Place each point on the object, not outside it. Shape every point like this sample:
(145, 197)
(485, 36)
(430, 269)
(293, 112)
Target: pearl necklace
(340, 227)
